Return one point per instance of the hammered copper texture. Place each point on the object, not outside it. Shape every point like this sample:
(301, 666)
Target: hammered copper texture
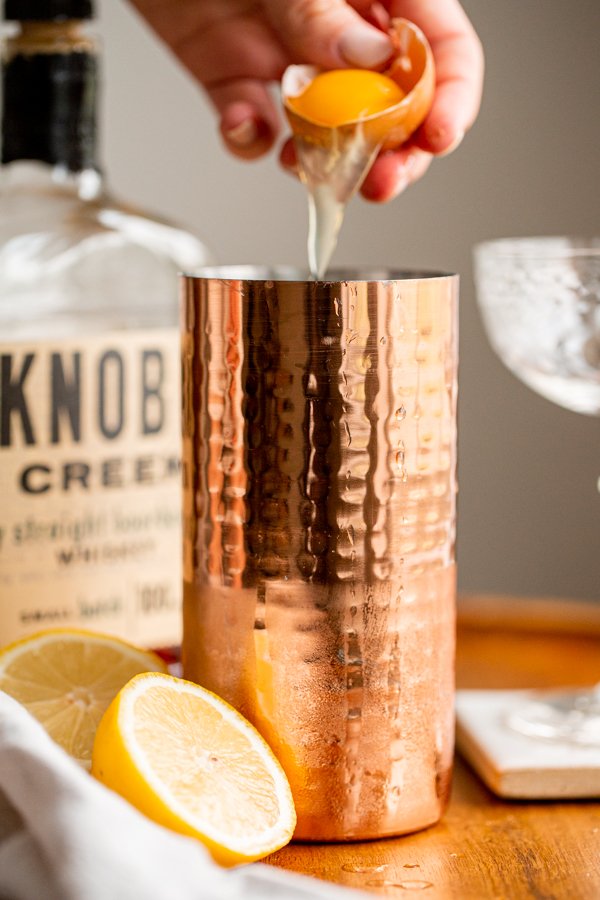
(319, 503)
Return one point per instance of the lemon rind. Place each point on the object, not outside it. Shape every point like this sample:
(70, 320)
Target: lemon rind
(262, 842)
(15, 649)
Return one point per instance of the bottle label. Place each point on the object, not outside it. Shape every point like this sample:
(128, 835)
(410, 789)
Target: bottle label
(90, 496)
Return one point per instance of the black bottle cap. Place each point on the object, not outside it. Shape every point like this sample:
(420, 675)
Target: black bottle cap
(49, 111)
(47, 10)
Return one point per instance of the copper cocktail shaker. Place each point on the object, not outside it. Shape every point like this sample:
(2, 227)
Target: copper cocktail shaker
(319, 454)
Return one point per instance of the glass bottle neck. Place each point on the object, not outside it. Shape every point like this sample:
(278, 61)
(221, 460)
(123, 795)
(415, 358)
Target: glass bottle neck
(49, 83)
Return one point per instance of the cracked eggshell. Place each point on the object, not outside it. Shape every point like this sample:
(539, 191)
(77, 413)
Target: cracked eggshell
(411, 67)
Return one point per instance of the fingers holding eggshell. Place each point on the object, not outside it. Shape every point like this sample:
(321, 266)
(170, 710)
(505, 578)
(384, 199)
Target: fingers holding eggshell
(342, 119)
(430, 120)
(411, 69)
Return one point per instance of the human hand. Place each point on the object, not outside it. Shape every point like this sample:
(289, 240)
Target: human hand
(237, 48)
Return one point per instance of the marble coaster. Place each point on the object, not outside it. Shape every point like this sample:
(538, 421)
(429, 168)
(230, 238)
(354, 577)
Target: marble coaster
(515, 765)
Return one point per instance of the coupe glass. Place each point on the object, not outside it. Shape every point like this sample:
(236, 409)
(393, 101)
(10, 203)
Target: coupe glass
(540, 304)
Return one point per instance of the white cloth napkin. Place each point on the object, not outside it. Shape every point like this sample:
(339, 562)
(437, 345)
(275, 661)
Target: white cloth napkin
(64, 836)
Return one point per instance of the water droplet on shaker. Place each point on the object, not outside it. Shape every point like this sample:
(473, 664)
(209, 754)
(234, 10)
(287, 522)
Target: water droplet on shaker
(402, 472)
(400, 413)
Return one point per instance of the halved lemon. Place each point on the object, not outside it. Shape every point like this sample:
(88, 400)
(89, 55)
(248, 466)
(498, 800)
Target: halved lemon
(66, 678)
(192, 763)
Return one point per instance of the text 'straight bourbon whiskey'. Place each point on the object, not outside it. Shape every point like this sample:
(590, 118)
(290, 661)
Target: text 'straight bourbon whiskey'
(89, 358)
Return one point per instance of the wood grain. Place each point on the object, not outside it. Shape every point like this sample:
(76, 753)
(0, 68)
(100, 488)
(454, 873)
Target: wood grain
(486, 848)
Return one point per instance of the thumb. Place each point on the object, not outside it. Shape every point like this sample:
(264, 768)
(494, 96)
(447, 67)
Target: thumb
(328, 33)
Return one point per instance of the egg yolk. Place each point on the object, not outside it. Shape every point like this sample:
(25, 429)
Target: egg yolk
(345, 95)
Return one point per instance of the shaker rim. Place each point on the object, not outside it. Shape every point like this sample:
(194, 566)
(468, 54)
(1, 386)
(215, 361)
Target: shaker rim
(295, 275)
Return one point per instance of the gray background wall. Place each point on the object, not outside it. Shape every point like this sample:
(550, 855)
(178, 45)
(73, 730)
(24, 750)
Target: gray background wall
(529, 511)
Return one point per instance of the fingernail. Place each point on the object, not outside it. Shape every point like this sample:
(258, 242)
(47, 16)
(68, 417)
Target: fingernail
(361, 45)
(455, 143)
(244, 134)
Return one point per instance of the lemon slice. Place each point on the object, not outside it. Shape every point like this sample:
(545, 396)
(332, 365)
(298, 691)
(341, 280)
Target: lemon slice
(190, 762)
(66, 679)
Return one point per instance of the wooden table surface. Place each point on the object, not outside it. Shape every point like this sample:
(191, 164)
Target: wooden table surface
(486, 848)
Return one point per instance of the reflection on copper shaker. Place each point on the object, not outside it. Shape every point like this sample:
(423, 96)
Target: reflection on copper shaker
(319, 518)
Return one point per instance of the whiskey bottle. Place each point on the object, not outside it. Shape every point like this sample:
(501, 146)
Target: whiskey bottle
(90, 528)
